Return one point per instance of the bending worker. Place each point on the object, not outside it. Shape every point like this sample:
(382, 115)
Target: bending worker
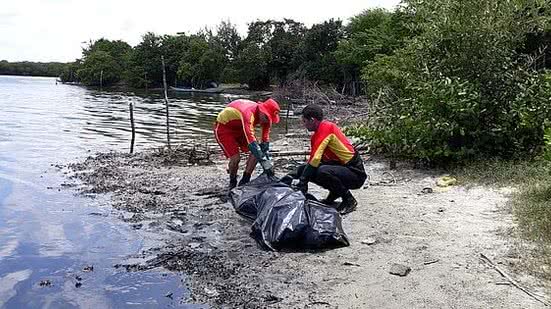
(234, 131)
(334, 164)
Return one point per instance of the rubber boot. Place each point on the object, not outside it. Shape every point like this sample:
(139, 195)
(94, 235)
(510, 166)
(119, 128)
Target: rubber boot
(330, 199)
(233, 181)
(348, 204)
(245, 179)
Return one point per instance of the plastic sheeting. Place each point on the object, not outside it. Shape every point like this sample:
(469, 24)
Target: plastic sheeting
(285, 218)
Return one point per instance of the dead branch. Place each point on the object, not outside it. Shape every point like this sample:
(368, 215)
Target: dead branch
(511, 280)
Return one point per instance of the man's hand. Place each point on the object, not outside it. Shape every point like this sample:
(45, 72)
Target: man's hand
(265, 148)
(267, 165)
(302, 185)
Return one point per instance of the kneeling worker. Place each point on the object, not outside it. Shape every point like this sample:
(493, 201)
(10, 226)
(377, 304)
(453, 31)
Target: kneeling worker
(334, 164)
(234, 131)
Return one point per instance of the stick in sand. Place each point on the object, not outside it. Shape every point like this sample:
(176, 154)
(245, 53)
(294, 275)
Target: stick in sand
(513, 281)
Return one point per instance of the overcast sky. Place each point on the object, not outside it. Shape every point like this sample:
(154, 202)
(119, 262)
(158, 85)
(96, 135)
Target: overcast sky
(53, 30)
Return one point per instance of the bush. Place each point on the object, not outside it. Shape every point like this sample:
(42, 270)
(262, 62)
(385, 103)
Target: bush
(460, 89)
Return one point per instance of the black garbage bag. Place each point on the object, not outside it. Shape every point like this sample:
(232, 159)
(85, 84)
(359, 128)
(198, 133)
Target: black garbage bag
(285, 218)
(243, 198)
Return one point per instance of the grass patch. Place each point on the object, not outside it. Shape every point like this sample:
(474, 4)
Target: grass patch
(530, 204)
(503, 173)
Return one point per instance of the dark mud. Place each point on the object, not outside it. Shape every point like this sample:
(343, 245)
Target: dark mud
(184, 200)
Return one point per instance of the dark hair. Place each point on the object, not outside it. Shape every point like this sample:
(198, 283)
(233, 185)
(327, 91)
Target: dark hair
(312, 111)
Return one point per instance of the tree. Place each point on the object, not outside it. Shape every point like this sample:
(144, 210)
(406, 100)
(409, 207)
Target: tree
(283, 46)
(99, 66)
(105, 61)
(144, 66)
(253, 66)
(373, 32)
(461, 88)
(316, 57)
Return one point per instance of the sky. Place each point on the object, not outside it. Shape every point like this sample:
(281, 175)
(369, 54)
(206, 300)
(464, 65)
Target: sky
(56, 30)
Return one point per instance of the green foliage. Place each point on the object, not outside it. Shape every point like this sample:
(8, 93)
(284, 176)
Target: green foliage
(144, 63)
(460, 88)
(316, 57)
(369, 34)
(104, 62)
(253, 66)
(52, 69)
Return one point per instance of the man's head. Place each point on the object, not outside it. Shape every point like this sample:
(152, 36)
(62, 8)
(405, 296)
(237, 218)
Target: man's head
(312, 115)
(269, 111)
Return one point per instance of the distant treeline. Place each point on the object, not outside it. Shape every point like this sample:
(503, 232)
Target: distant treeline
(272, 52)
(52, 69)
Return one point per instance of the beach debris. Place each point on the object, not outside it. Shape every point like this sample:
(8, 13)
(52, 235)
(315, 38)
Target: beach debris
(369, 241)
(399, 270)
(446, 181)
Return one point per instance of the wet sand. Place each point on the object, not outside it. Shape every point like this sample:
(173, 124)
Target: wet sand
(438, 235)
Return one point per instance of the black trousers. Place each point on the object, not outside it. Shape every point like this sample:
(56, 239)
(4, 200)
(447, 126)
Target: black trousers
(337, 178)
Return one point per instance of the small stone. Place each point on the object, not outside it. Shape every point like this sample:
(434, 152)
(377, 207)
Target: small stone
(441, 209)
(211, 292)
(400, 270)
(88, 268)
(194, 245)
(45, 283)
(369, 241)
(78, 285)
(427, 190)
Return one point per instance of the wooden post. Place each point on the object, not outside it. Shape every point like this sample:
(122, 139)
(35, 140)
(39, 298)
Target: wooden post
(101, 79)
(132, 126)
(287, 117)
(145, 79)
(166, 104)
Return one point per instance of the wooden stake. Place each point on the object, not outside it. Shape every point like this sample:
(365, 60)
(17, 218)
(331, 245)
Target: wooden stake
(166, 104)
(132, 126)
(287, 117)
(513, 281)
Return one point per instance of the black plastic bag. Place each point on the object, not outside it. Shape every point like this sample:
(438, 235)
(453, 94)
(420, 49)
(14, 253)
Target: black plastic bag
(284, 218)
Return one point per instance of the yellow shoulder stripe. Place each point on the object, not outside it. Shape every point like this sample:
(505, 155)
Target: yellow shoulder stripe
(315, 160)
(228, 114)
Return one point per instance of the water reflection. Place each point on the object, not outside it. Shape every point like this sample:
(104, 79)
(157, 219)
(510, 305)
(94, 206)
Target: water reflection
(47, 233)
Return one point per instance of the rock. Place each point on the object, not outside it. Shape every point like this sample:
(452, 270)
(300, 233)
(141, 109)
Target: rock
(45, 283)
(400, 270)
(427, 190)
(441, 209)
(78, 285)
(211, 292)
(369, 241)
(88, 268)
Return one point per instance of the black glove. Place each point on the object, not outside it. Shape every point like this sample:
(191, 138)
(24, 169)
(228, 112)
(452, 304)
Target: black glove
(265, 148)
(302, 185)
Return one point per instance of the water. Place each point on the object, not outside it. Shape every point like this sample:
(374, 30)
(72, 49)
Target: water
(48, 233)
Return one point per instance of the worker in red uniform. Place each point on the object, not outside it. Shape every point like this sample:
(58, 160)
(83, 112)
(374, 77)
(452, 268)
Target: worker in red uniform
(235, 130)
(334, 164)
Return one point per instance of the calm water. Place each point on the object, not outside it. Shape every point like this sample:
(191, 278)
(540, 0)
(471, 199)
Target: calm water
(51, 234)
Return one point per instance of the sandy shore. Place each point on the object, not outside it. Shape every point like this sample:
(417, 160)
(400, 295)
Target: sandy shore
(438, 235)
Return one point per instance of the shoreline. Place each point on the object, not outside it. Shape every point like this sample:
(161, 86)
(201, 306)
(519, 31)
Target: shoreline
(438, 235)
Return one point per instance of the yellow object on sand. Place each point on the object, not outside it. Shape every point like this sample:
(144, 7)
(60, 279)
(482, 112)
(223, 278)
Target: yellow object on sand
(446, 181)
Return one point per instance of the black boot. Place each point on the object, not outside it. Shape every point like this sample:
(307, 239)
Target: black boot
(330, 199)
(245, 179)
(348, 204)
(233, 181)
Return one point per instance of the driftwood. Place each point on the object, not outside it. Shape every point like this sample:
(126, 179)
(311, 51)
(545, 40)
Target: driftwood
(131, 106)
(166, 103)
(276, 153)
(511, 280)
